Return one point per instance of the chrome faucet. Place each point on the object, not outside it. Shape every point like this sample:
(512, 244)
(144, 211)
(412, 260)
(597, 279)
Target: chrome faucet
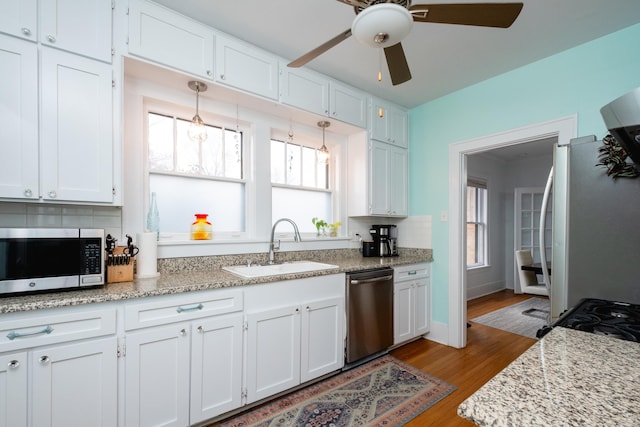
(273, 245)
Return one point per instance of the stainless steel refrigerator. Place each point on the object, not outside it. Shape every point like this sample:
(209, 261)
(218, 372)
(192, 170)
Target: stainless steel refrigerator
(596, 229)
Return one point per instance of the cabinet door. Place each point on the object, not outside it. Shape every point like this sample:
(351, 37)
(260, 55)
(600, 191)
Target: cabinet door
(398, 127)
(157, 377)
(422, 310)
(379, 172)
(76, 150)
(304, 89)
(398, 186)
(273, 352)
(168, 38)
(13, 390)
(246, 67)
(18, 118)
(322, 348)
(347, 104)
(19, 18)
(78, 26)
(403, 311)
(76, 384)
(216, 366)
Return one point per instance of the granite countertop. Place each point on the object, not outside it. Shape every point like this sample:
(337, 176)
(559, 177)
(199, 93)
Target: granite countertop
(184, 276)
(568, 378)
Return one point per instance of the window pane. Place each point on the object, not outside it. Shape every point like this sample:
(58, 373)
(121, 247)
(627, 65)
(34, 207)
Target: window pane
(471, 204)
(294, 163)
(233, 154)
(277, 162)
(212, 164)
(322, 172)
(471, 244)
(188, 155)
(180, 198)
(309, 167)
(301, 206)
(160, 142)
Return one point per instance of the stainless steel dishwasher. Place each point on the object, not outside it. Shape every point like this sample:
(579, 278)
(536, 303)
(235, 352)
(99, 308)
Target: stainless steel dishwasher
(369, 313)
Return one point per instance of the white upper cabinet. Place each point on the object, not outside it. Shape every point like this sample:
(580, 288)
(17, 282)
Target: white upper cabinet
(76, 144)
(304, 89)
(19, 18)
(78, 26)
(19, 118)
(389, 123)
(163, 36)
(347, 104)
(246, 67)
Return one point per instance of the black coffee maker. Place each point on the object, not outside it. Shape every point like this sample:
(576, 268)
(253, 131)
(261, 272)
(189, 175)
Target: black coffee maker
(385, 240)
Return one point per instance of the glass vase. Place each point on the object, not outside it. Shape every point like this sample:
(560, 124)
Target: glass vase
(153, 217)
(201, 228)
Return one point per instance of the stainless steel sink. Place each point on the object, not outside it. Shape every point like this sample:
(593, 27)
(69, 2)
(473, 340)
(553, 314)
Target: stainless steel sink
(276, 269)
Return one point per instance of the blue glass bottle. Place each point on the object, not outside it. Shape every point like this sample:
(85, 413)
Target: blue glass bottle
(153, 217)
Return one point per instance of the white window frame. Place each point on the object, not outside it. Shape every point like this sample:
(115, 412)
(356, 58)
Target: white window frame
(482, 214)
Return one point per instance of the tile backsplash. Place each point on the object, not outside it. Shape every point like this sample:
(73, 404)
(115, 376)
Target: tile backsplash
(38, 215)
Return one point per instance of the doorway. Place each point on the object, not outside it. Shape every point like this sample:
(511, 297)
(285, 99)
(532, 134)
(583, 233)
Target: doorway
(563, 130)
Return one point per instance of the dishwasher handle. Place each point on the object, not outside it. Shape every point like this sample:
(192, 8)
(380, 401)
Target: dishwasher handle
(373, 279)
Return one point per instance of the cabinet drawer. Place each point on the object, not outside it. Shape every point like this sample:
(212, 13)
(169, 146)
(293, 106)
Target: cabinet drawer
(410, 272)
(170, 309)
(26, 330)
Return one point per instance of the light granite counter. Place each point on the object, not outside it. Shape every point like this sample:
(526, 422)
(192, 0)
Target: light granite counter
(181, 275)
(568, 378)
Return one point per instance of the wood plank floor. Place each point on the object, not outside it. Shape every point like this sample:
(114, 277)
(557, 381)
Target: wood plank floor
(488, 351)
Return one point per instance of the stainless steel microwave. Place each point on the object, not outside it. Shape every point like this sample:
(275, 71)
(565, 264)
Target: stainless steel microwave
(39, 259)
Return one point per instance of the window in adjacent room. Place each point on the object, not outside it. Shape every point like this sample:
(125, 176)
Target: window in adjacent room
(190, 177)
(301, 181)
(476, 223)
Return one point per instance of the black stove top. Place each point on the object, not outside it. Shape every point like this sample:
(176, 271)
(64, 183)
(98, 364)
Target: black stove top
(611, 318)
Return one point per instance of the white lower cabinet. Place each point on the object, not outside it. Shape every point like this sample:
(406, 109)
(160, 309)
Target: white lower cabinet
(411, 302)
(59, 368)
(301, 337)
(183, 372)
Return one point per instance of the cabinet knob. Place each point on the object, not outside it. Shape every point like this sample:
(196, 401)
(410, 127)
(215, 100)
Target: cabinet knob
(14, 364)
(200, 329)
(222, 77)
(44, 360)
(51, 38)
(183, 332)
(209, 73)
(28, 192)
(308, 308)
(26, 31)
(52, 194)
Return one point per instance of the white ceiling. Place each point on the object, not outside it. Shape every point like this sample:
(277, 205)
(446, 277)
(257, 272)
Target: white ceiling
(443, 58)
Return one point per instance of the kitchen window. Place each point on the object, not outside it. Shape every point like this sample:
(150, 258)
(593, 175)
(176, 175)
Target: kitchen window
(192, 177)
(476, 223)
(301, 181)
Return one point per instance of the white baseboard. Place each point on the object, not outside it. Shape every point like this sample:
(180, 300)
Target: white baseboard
(485, 289)
(439, 333)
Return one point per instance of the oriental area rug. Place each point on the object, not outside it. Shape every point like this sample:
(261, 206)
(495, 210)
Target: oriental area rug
(383, 392)
(523, 318)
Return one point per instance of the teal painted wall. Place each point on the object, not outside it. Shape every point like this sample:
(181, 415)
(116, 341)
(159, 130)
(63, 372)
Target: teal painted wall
(577, 81)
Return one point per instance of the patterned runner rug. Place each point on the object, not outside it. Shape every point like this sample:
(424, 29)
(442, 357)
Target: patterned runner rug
(383, 392)
(523, 318)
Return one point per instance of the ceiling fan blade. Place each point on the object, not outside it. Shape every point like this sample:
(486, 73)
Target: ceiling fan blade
(500, 15)
(320, 49)
(397, 63)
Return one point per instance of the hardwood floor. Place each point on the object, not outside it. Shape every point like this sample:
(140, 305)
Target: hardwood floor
(488, 351)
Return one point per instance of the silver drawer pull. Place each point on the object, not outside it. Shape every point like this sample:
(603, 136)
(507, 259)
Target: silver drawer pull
(412, 273)
(14, 364)
(193, 308)
(13, 334)
(44, 360)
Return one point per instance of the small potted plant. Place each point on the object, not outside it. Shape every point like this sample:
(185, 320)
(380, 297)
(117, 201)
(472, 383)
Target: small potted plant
(333, 229)
(321, 226)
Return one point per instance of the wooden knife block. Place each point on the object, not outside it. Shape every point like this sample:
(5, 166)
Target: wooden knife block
(119, 273)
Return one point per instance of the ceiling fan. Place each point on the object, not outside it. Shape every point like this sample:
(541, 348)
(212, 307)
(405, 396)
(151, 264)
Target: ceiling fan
(384, 23)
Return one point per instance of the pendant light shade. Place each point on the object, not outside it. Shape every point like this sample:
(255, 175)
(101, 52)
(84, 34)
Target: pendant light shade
(324, 151)
(197, 130)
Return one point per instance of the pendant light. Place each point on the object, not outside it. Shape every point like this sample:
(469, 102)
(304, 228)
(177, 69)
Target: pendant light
(197, 130)
(324, 151)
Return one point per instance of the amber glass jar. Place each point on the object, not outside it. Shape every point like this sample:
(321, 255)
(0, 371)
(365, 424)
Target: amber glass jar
(201, 229)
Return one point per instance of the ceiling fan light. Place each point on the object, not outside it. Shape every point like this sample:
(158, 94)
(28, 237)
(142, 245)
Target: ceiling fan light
(382, 25)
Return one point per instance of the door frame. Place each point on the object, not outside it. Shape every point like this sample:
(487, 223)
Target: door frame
(564, 129)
